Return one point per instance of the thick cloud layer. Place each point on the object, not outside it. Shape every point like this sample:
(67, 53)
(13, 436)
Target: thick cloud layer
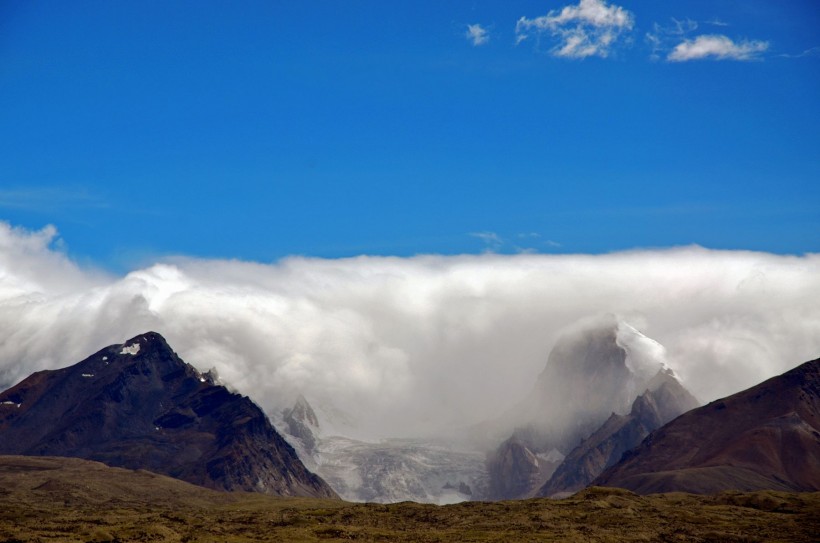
(408, 345)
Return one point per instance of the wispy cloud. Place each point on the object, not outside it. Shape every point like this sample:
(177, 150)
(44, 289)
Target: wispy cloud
(590, 28)
(49, 198)
(716, 22)
(491, 240)
(661, 37)
(811, 52)
(717, 47)
(477, 34)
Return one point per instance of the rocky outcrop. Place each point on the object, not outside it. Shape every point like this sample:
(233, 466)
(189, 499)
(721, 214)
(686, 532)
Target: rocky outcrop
(138, 405)
(764, 438)
(513, 469)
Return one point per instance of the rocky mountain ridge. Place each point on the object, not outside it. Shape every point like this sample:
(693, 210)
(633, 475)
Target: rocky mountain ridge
(664, 399)
(138, 405)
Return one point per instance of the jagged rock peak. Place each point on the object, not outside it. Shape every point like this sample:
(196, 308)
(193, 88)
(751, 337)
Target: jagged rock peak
(598, 367)
(302, 424)
(303, 412)
(660, 403)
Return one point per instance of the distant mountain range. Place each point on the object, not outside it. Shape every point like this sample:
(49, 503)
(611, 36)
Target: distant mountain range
(765, 437)
(606, 410)
(138, 405)
(605, 386)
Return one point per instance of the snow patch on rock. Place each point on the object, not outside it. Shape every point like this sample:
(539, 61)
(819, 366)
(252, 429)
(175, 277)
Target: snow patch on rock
(131, 349)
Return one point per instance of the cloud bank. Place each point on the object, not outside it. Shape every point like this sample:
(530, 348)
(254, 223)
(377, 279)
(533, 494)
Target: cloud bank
(411, 344)
(590, 28)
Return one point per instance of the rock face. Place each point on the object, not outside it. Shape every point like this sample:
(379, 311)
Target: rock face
(766, 437)
(516, 470)
(592, 378)
(663, 400)
(139, 406)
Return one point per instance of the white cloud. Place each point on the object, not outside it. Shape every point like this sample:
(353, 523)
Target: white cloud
(410, 344)
(590, 28)
(716, 47)
(477, 34)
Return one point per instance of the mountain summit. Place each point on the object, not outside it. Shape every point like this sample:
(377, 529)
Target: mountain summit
(138, 405)
(604, 387)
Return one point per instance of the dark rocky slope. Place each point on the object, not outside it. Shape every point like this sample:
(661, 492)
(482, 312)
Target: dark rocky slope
(139, 406)
(766, 437)
(664, 399)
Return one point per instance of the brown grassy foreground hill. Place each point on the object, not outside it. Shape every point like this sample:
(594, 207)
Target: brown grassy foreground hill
(70, 500)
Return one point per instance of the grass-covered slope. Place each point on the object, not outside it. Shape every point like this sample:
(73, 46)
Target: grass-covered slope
(71, 500)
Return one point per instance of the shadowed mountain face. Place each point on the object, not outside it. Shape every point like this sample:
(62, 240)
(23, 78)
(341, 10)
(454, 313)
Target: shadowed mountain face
(139, 406)
(591, 372)
(766, 437)
(664, 399)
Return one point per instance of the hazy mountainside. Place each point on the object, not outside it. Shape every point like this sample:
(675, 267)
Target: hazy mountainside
(766, 437)
(592, 373)
(390, 470)
(663, 400)
(302, 424)
(138, 405)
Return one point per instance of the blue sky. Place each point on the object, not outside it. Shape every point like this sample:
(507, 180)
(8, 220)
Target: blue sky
(257, 130)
